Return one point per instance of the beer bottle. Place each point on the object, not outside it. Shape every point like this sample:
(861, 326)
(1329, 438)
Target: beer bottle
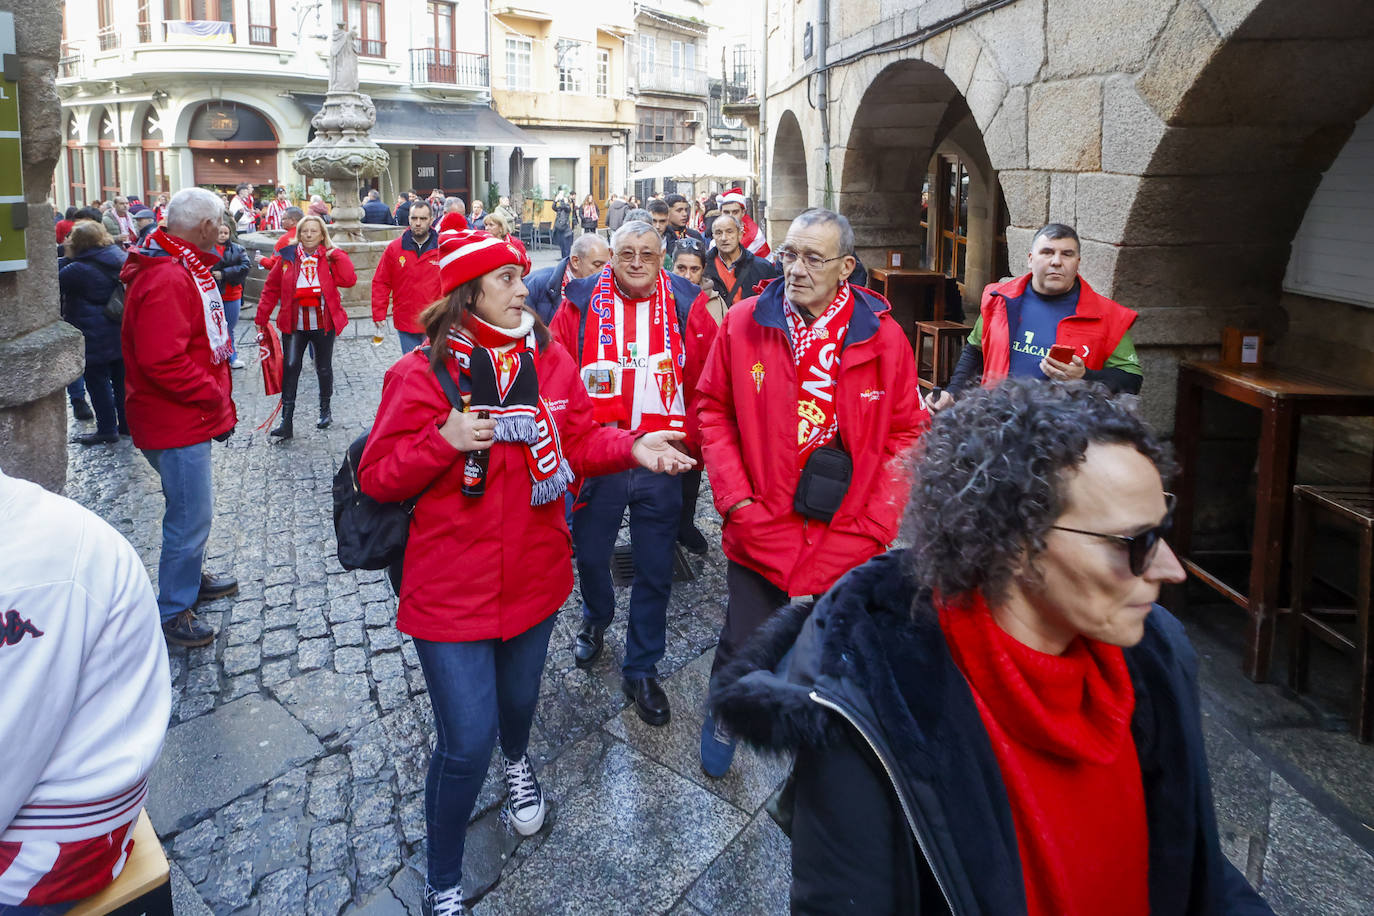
(475, 467)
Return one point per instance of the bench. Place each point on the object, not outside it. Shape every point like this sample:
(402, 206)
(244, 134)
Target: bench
(143, 887)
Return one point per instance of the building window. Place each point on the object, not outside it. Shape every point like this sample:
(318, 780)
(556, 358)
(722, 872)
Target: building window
(603, 73)
(155, 179)
(76, 175)
(662, 132)
(439, 25)
(198, 20)
(648, 53)
(364, 17)
(562, 176)
(684, 62)
(108, 35)
(262, 22)
(519, 50)
(947, 190)
(571, 69)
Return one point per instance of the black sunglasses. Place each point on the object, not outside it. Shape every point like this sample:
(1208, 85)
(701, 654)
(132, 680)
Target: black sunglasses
(688, 244)
(1140, 548)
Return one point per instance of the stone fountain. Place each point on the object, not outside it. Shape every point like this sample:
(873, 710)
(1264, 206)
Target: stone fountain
(342, 152)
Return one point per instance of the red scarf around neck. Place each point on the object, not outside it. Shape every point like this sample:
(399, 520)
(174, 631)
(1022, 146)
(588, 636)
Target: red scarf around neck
(506, 385)
(1060, 727)
(816, 351)
(211, 302)
(610, 349)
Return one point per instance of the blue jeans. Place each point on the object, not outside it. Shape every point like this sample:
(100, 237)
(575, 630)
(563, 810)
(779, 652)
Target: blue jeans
(231, 315)
(76, 391)
(478, 690)
(105, 383)
(186, 484)
(49, 909)
(655, 502)
(410, 341)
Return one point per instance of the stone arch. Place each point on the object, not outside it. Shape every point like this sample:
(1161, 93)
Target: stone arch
(1243, 129)
(790, 190)
(182, 117)
(911, 112)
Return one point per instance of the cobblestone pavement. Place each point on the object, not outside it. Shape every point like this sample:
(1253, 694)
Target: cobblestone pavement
(293, 776)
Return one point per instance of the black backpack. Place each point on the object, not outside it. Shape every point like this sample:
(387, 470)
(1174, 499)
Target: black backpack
(372, 534)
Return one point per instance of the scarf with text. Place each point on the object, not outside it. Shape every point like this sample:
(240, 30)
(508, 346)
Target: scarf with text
(216, 326)
(613, 345)
(816, 351)
(506, 385)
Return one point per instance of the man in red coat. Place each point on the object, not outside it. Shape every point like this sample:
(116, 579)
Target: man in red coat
(809, 376)
(407, 279)
(178, 395)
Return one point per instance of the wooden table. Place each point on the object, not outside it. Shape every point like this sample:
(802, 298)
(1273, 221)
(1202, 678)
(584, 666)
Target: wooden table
(906, 291)
(1284, 396)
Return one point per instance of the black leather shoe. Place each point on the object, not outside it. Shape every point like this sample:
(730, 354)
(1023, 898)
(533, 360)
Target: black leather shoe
(651, 703)
(693, 540)
(587, 644)
(96, 438)
(212, 588)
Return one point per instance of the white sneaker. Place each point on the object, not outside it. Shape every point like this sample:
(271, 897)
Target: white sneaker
(443, 903)
(236, 363)
(525, 808)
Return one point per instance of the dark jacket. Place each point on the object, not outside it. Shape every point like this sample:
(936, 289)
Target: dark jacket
(377, 213)
(546, 290)
(615, 214)
(750, 271)
(562, 219)
(897, 803)
(86, 282)
(403, 213)
(233, 267)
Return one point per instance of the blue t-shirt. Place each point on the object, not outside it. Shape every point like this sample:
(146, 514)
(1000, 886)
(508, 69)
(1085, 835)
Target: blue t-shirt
(1034, 334)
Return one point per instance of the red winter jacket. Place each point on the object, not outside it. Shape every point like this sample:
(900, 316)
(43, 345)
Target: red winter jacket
(747, 410)
(483, 567)
(173, 392)
(272, 260)
(336, 272)
(568, 329)
(408, 280)
(1093, 330)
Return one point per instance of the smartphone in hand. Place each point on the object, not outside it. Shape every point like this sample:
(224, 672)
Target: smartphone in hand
(1061, 353)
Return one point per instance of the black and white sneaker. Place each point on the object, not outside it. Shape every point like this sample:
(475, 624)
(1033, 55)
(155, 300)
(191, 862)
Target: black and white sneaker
(525, 808)
(443, 903)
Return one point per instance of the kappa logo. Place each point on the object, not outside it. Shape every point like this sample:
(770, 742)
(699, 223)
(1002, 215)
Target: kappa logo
(872, 394)
(14, 628)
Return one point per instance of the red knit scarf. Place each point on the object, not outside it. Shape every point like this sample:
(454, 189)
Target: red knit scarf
(816, 350)
(1060, 727)
(610, 348)
(211, 303)
(506, 385)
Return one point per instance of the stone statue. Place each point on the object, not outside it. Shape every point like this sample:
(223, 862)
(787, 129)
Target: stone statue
(343, 60)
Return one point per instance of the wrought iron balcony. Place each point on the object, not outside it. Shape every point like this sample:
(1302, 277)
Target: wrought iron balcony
(441, 66)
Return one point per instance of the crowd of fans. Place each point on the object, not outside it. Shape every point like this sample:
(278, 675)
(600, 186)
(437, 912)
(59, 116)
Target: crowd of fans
(997, 718)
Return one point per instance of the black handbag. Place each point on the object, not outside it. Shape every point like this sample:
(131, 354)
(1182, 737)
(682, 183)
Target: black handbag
(824, 482)
(370, 534)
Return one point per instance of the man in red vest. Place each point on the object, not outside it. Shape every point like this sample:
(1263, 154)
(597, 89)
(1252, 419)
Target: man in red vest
(1020, 321)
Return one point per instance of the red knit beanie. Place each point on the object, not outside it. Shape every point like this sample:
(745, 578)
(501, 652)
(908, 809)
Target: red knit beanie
(466, 254)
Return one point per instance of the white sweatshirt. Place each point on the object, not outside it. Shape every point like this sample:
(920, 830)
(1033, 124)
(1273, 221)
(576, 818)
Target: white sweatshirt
(84, 687)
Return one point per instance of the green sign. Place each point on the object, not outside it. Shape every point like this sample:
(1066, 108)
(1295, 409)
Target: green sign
(12, 252)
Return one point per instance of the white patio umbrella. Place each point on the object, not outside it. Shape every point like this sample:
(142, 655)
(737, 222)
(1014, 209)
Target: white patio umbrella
(691, 164)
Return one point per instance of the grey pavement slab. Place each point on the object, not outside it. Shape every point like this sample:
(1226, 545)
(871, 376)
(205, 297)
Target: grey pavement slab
(1312, 867)
(324, 701)
(751, 878)
(630, 841)
(751, 778)
(213, 759)
(185, 900)
(1240, 789)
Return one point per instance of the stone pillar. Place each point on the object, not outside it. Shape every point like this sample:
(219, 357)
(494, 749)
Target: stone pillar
(40, 353)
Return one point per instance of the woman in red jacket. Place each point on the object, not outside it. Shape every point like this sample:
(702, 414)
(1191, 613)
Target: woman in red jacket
(489, 559)
(306, 281)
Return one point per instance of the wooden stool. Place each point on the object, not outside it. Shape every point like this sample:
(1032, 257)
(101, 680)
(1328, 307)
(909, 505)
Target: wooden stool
(144, 886)
(1349, 507)
(946, 340)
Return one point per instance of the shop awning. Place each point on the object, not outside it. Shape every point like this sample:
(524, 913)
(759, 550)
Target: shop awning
(401, 122)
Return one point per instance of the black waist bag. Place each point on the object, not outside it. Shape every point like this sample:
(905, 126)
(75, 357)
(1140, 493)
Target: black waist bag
(372, 534)
(824, 482)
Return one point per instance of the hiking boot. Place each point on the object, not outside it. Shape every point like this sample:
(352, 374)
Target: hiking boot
(443, 903)
(185, 630)
(212, 587)
(81, 409)
(525, 808)
(717, 747)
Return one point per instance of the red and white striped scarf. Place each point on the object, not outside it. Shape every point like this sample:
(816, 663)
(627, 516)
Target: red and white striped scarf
(816, 351)
(633, 356)
(216, 326)
(506, 385)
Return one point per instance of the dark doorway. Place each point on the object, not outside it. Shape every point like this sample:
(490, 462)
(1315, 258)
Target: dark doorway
(445, 169)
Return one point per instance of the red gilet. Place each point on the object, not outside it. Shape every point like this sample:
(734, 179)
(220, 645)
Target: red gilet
(1060, 726)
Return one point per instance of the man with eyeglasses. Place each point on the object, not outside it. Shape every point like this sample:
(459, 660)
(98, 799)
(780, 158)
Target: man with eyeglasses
(734, 269)
(640, 336)
(1048, 324)
(807, 405)
(589, 256)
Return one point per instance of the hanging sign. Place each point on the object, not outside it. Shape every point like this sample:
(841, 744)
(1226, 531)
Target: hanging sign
(13, 210)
